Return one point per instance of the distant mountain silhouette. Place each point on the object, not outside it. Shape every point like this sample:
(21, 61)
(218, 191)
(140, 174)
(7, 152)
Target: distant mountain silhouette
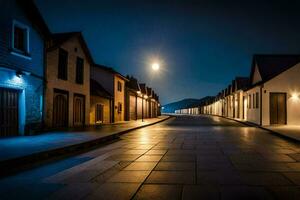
(185, 103)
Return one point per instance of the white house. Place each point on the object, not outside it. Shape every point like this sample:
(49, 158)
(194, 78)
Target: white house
(274, 96)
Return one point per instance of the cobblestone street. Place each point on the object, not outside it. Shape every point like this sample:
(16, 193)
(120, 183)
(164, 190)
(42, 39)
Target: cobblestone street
(186, 157)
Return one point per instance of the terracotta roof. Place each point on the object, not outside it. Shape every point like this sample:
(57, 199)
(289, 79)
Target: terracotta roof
(98, 90)
(270, 66)
(34, 15)
(57, 39)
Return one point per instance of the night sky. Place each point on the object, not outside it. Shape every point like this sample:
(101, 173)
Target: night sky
(202, 45)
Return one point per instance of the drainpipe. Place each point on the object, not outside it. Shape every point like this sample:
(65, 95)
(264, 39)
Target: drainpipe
(261, 87)
(143, 108)
(44, 85)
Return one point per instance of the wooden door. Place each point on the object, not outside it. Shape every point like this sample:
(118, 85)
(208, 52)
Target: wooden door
(79, 110)
(132, 107)
(9, 112)
(99, 113)
(244, 107)
(277, 108)
(139, 107)
(60, 110)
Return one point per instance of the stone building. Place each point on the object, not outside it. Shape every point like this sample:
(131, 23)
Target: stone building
(100, 104)
(132, 93)
(67, 96)
(22, 39)
(114, 83)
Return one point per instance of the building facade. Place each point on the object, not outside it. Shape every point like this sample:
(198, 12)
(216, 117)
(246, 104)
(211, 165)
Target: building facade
(22, 41)
(100, 104)
(270, 96)
(132, 94)
(141, 101)
(67, 96)
(114, 83)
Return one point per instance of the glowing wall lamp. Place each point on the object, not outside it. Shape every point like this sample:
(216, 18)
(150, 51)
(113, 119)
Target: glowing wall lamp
(295, 96)
(21, 73)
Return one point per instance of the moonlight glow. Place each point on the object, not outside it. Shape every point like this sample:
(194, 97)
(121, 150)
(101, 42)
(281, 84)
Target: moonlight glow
(155, 66)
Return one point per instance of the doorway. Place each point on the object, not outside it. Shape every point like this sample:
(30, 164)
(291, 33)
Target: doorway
(99, 113)
(60, 109)
(278, 108)
(79, 110)
(9, 112)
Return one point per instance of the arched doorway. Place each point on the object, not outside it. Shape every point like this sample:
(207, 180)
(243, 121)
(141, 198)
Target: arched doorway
(60, 110)
(79, 110)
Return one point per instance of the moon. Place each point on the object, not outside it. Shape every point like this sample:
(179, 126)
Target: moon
(155, 66)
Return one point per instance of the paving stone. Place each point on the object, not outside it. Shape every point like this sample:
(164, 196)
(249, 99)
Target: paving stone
(129, 176)
(124, 157)
(278, 157)
(196, 157)
(171, 177)
(281, 150)
(156, 152)
(293, 176)
(181, 152)
(74, 191)
(135, 151)
(179, 158)
(285, 192)
(244, 193)
(262, 178)
(149, 158)
(141, 166)
(114, 191)
(144, 147)
(214, 166)
(159, 192)
(246, 158)
(196, 192)
(176, 166)
(295, 156)
(219, 177)
(294, 166)
(214, 158)
(93, 167)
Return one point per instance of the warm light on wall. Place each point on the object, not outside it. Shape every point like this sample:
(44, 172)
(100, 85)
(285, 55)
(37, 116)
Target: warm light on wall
(295, 96)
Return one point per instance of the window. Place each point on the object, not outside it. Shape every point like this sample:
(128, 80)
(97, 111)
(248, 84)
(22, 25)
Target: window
(119, 86)
(62, 64)
(99, 113)
(79, 70)
(249, 100)
(254, 103)
(257, 100)
(20, 38)
(119, 107)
